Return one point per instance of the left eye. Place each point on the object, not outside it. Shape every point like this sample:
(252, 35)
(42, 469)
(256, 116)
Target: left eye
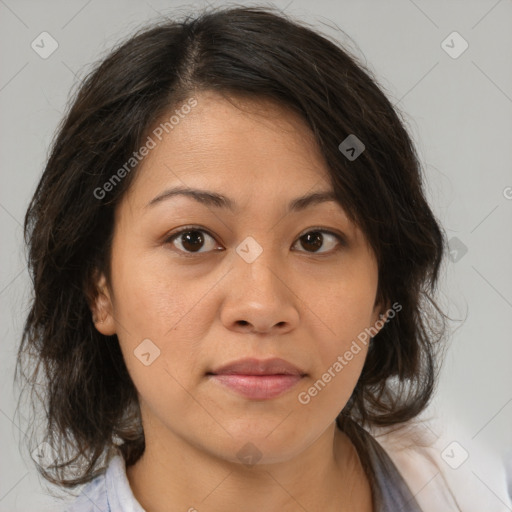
(315, 239)
(191, 240)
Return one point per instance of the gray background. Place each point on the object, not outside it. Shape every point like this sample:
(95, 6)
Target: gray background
(459, 111)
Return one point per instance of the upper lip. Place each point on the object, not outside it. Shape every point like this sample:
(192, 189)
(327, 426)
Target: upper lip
(252, 366)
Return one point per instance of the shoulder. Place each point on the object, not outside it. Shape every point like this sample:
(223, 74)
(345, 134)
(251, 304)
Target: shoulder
(92, 497)
(101, 493)
(443, 473)
(108, 492)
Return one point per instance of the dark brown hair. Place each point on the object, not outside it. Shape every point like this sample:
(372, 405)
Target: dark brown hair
(79, 375)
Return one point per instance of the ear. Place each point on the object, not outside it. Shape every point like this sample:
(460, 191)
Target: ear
(380, 314)
(102, 308)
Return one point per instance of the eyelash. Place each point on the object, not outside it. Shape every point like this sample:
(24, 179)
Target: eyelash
(341, 240)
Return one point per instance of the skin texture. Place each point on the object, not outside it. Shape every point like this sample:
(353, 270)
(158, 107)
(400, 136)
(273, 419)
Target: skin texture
(213, 307)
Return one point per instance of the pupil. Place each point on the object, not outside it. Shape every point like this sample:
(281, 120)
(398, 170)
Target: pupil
(314, 239)
(191, 238)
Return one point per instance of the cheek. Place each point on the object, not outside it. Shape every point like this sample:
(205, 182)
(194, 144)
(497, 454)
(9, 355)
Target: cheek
(341, 361)
(152, 300)
(346, 312)
(159, 319)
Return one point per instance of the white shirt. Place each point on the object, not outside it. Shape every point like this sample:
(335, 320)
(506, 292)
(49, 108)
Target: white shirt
(435, 479)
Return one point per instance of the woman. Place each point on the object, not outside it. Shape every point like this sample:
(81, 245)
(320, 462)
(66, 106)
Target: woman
(233, 261)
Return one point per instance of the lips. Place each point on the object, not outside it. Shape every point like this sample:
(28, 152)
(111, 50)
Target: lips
(251, 366)
(258, 379)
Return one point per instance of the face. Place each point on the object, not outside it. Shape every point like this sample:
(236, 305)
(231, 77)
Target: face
(198, 284)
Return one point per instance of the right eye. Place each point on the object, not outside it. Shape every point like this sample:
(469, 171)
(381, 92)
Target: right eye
(190, 240)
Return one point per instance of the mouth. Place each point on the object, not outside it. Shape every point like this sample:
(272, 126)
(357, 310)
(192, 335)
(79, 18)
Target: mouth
(258, 379)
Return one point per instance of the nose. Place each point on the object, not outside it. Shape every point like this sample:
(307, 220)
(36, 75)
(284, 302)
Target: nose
(260, 297)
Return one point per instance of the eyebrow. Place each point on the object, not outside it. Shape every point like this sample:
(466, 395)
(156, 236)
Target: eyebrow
(214, 199)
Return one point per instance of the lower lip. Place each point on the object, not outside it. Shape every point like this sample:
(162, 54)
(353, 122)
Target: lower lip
(258, 387)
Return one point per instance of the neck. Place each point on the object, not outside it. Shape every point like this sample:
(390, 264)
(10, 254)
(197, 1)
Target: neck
(173, 474)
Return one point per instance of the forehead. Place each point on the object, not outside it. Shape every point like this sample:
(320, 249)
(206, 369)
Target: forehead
(235, 145)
